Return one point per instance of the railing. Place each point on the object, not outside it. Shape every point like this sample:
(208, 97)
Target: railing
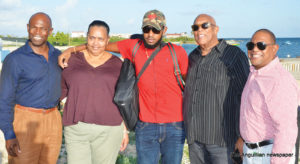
(293, 68)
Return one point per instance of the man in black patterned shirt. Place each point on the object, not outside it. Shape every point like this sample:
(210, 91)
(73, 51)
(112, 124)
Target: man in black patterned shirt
(216, 77)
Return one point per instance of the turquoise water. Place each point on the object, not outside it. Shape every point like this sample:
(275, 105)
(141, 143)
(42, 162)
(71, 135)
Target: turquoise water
(288, 47)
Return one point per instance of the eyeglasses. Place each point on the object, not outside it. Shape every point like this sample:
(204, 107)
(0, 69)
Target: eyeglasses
(206, 25)
(260, 45)
(147, 29)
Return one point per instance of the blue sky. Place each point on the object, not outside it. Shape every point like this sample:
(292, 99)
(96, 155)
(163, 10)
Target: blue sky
(236, 18)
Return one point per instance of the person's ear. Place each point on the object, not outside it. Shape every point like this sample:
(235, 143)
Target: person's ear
(50, 31)
(216, 29)
(275, 48)
(108, 38)
(165, 30)
(28, 28)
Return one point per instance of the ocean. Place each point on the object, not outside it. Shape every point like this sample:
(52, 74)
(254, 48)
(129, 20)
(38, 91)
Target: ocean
(288, 47)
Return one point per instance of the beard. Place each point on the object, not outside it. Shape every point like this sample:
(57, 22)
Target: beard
(154, 45)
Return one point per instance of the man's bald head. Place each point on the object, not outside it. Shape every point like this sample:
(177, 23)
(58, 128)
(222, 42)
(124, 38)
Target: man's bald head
(39, 28)
(41, 14)
(207, 17)
(206, 33)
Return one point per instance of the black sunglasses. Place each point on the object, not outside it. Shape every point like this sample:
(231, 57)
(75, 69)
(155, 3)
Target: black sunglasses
(260, 45)
(206, 25)
(147, 29)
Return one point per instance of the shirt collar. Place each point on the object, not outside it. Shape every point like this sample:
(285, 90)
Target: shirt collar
(220, 47)
(29, 49)
(266, 68)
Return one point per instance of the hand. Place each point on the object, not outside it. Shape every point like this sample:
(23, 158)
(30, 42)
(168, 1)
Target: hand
(64, 58)
(13, 147)
(239, 145)
(125, 141)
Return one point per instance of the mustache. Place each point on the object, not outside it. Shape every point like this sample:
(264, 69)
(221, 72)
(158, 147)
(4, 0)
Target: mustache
(152, 46)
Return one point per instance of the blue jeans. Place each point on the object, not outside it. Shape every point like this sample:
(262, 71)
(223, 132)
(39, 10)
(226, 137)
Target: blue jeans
(155, 139)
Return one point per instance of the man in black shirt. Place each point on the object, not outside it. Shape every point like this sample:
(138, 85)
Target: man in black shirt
(216, 77)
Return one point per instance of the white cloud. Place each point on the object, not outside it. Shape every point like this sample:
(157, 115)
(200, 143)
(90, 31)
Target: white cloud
(67, 6)
(8, 4)
(62, 13)
(14, 18)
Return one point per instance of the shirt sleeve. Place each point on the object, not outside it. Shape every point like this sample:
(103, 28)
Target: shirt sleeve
(64, 88)
(126, 47)
(240, 71)
(8, 84)
(282, 105)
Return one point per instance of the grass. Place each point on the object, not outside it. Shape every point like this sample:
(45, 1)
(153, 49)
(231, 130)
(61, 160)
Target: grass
(122, 159)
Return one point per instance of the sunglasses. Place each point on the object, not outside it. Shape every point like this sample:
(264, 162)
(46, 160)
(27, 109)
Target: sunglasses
(204, 26)
(260, 45)
(147, 29)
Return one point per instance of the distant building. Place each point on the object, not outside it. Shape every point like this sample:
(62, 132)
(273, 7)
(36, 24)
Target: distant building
(78, 34)
(121, 35)
(176, 35)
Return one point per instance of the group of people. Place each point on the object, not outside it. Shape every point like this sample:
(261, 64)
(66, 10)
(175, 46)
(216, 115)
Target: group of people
(226, 105)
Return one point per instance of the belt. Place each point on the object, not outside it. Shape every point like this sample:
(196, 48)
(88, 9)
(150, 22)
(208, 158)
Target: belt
(259, 144)
(36, 110)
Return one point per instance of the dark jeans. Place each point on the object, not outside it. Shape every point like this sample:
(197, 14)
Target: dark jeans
(209, 154)
(154, 139)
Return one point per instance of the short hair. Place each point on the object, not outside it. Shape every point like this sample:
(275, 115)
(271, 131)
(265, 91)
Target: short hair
(41, 13)
(100, 24)
(267, 31)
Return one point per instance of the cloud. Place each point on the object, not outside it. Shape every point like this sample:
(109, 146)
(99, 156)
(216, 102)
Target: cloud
(62, 13)
(14, 18)
(9, 4)
(15, 15)
(67, 6)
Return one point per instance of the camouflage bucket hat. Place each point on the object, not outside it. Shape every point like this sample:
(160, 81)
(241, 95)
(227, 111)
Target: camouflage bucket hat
(155, 19)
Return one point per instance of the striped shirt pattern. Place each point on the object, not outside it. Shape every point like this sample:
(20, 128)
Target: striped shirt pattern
(212, 94)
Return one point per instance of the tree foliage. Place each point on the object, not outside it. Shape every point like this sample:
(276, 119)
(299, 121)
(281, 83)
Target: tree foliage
(64, 39)
(182, 39)
(59, 39)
